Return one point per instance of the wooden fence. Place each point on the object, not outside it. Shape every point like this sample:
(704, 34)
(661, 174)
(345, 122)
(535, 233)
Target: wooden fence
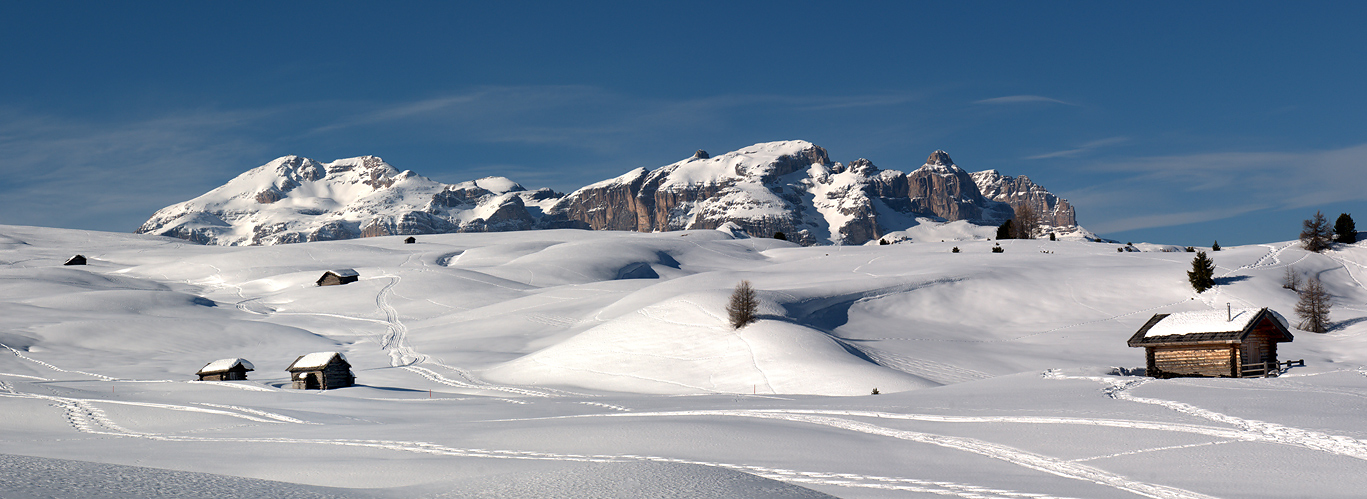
(1268, 368)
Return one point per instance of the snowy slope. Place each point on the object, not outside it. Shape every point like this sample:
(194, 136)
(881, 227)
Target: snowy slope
(548, 363)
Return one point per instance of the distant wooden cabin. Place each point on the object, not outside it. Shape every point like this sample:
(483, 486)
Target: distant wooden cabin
(410, 240)
(76, 260)
(1216, 343)
(321, 371)
(338, 277)
(225, 370)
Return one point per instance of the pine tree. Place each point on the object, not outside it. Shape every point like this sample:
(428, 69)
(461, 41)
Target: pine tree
(780, 236)
(743, 306)
(1313, 307)
(1005, 230)
(1315, 234)
(1344, 229)
(1215, 247)
(1202, 274)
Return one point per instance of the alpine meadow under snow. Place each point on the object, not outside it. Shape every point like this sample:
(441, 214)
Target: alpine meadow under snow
(575, 363)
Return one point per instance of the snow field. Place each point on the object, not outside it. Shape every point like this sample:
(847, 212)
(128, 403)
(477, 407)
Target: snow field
(530, 364)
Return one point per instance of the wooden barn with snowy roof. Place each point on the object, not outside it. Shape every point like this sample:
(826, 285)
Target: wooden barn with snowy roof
(225, 370)
(321, 371)
(338, 277)
(1233, 343)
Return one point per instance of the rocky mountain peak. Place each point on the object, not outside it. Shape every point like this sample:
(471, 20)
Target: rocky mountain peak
(939, 158)
(787, 186)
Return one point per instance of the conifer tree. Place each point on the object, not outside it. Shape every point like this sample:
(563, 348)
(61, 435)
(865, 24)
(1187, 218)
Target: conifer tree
(1313, 307)
(744, 304)
(1005, 230)
(1215, 247)
(1344, 229)
(1202, 274)
(1315, 234)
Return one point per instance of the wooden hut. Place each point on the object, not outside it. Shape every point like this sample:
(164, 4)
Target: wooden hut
(338, 277)
(225, 370)
(321, 371)
(1231, 343)
(410, 240)
(76, 260)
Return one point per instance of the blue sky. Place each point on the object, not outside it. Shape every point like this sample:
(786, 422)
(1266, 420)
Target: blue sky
(1161, 122)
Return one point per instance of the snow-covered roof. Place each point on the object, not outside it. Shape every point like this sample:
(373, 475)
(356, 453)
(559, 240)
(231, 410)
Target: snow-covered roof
(345, 272)
(1204, 321)
(315, 360)
(223, 365)
(1205, 325)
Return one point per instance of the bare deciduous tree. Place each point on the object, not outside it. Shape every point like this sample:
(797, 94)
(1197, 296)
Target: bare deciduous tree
(1313, 307)
(1026, 223)
(744, 304)
(1291, 279)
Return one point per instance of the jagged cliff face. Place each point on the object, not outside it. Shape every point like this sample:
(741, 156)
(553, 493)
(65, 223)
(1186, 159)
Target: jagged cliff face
(744, 187)
(1020, 191)
(790, 186)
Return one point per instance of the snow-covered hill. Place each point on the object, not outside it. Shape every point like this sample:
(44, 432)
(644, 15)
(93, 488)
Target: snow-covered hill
(790, 186)
(571, 363)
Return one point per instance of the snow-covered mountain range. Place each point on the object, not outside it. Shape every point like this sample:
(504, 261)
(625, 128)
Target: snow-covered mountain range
(789, 186)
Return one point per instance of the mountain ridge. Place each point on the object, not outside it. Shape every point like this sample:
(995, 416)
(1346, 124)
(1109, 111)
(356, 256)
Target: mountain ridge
(786, 186)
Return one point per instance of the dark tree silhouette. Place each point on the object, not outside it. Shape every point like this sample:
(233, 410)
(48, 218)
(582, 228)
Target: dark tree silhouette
(1005, 231)
(780, 236)
(1315, 233)
(743, 306)
(1215, 247)
(1202, 274)
(1313, 307)
(1344, 230)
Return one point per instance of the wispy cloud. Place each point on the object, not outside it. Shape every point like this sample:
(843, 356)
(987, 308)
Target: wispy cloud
(1023, 99)
(1081, 149)
(1165, 191)
(73, 174)
(1172, 219)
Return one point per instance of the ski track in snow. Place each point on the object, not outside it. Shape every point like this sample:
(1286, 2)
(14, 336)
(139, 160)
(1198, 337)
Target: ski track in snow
(1030, 460)
(55, 368)
(434, 376)
(86, 418)
(395, 339)
(938, 372)
(1254, 429)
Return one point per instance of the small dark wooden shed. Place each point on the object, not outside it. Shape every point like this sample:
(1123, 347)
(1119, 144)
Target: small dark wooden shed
(338, 277)
(76, 260)
(321, 371)
(1235, 343)
(225, 370)
(410, 240)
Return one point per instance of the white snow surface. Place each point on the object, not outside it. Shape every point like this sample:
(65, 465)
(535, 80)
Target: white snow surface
(1207, 321)
(599, 364)
(315, 360)
(222, 365)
